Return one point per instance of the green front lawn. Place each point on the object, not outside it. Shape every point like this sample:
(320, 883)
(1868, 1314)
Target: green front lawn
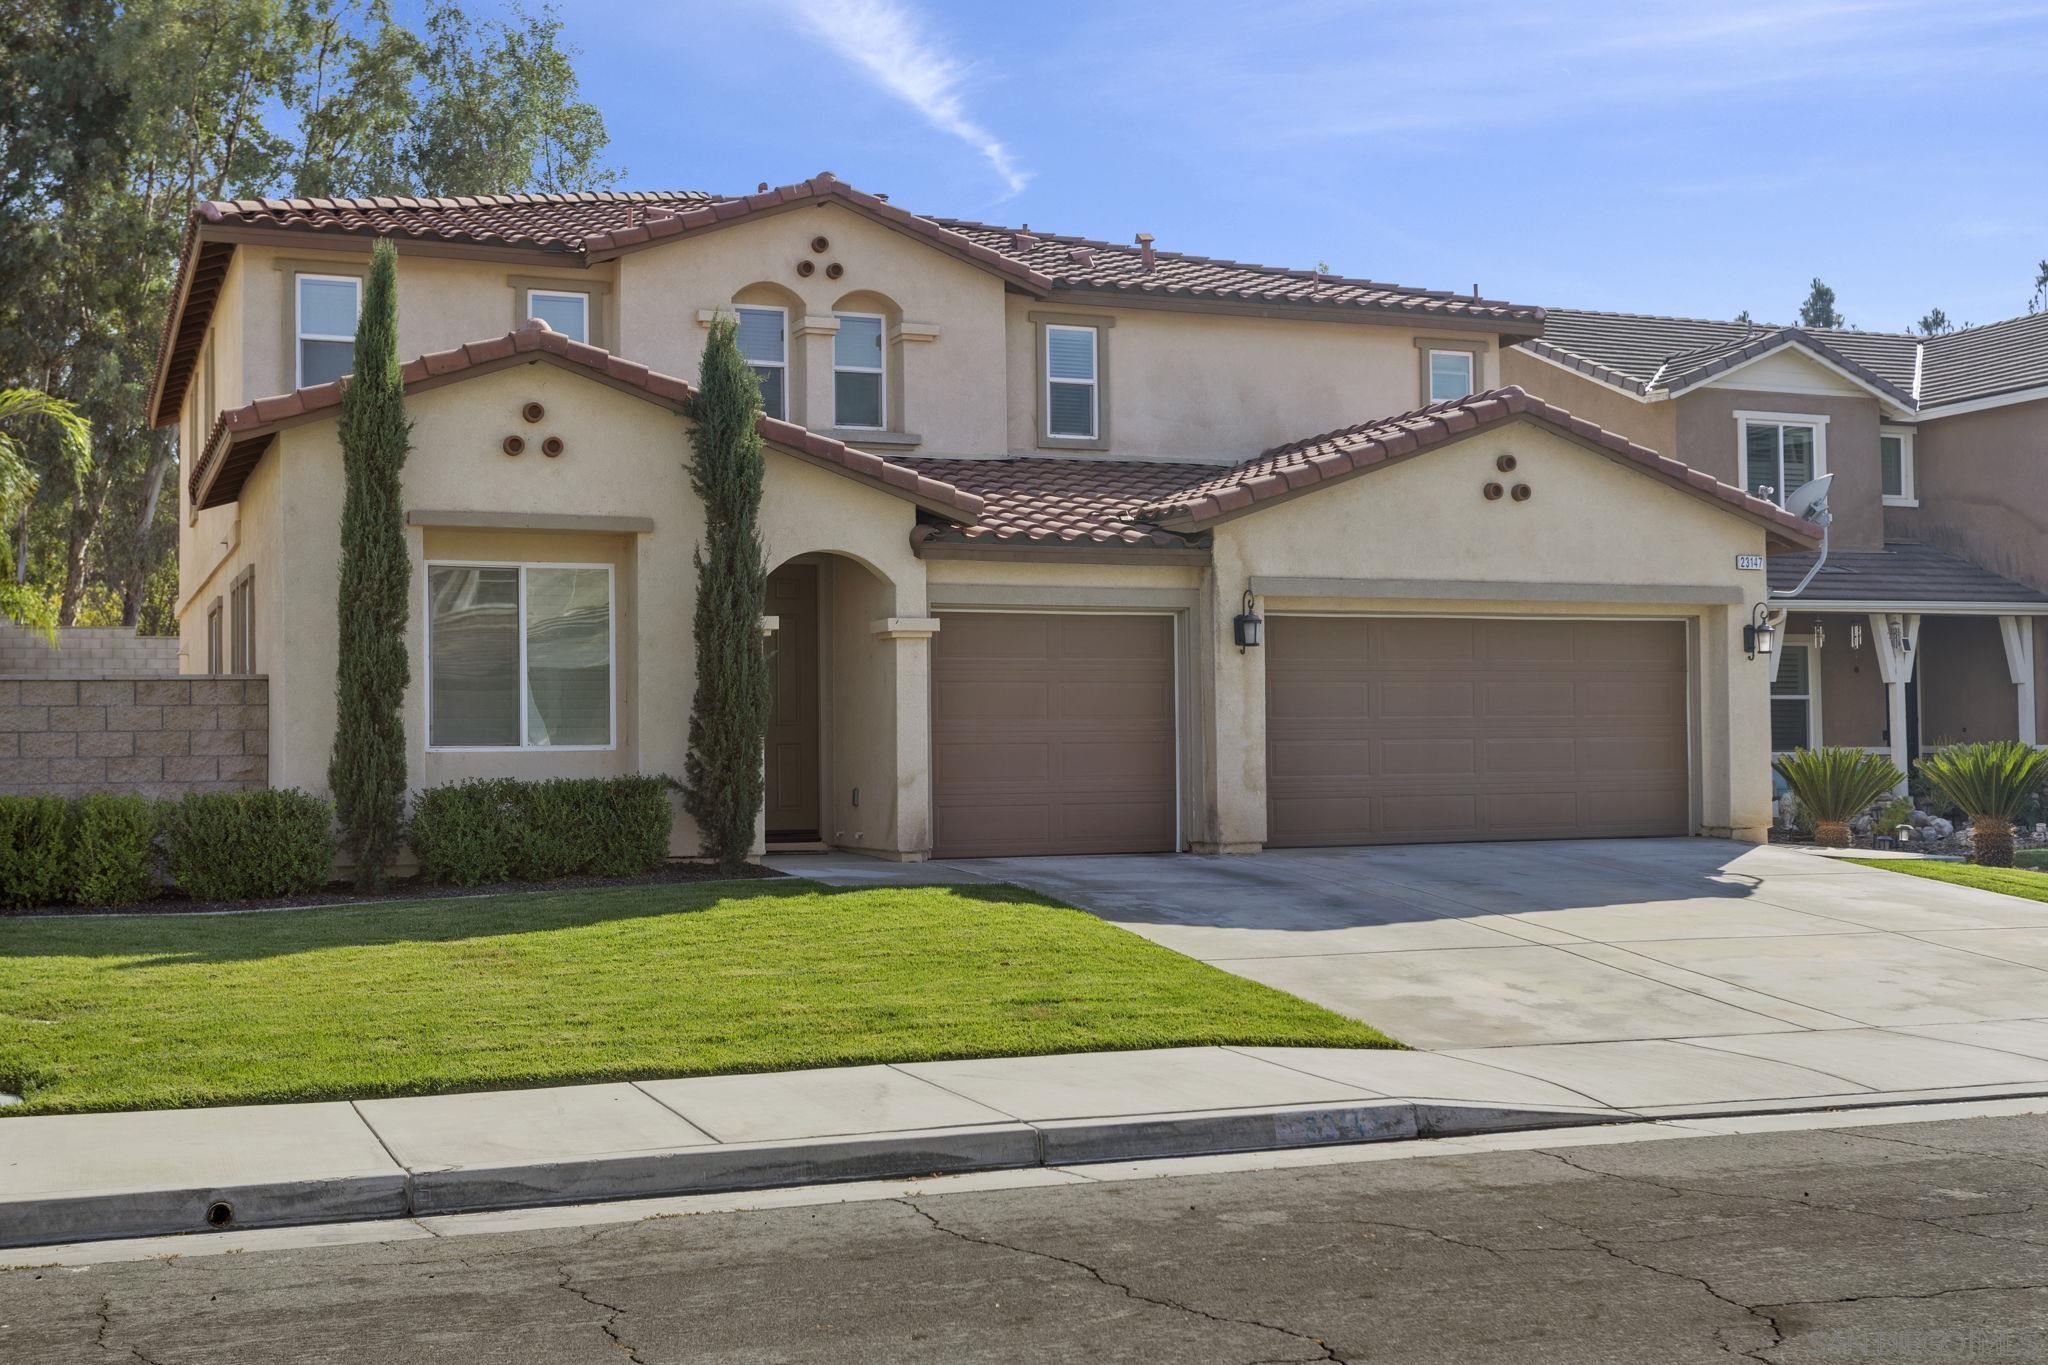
(2013, 881)
(414, 998)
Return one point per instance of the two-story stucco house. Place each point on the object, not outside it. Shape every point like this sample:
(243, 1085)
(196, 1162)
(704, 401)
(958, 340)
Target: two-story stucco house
(1075, 547)
(1924, 625)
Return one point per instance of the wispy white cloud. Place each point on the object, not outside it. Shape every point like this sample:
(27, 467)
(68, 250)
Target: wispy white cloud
(890, 43)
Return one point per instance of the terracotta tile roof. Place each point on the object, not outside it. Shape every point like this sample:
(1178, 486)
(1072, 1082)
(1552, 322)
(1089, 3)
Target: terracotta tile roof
(1075, 501)
(1303, 465)
(240, 435)
(549, 222)
(1901, 572)
(596, 226)
(1082, 263)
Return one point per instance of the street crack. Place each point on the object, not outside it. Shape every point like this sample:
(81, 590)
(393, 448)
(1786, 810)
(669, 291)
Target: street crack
(613, 1312)
(1322, 1348)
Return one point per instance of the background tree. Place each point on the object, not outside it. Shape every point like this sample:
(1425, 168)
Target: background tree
(119, 118)
(2039, 299)
(1819, 308)
(367, 772)
(722, 779)
(1934, 323)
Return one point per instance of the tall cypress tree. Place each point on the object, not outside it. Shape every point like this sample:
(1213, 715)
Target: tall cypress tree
(367, 772)
(722, 779)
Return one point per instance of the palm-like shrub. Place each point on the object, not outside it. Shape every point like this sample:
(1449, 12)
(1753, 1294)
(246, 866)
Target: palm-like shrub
(1836, 784)
(1991, 782)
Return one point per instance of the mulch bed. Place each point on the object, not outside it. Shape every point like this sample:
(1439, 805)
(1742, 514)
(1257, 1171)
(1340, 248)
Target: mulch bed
(172, 903)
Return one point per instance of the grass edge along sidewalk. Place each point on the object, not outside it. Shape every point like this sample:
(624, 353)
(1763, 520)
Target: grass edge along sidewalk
(555, 988)
(2024, 882)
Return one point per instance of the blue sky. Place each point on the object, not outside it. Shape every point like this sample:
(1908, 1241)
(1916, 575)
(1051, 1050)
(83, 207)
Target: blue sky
(1696, 158)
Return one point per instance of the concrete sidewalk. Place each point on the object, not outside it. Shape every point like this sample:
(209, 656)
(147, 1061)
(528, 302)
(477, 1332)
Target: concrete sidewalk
(70, 1178)
(90, 1177)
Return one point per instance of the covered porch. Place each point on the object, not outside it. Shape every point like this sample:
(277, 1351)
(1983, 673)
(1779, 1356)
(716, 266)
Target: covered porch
(1905, 650)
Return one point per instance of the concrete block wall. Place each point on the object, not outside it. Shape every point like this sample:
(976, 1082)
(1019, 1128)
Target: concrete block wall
(86, 652)
(156, 737)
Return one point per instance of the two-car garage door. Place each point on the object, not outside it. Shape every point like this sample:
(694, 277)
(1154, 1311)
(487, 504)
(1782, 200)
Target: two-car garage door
(1055, 733)
(1409, 730)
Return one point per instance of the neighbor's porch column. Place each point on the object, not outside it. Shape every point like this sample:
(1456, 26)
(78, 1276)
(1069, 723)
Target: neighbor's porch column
(911, 638)
(1895, 638)
(2018, 634)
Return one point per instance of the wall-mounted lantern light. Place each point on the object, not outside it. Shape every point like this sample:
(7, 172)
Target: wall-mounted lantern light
(1759, 636)
(1248, 629)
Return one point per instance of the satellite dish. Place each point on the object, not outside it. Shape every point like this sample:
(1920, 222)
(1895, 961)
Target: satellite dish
(1810, 500)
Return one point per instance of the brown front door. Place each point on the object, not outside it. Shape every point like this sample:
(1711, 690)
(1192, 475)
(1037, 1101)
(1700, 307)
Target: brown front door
(1052, 734)
(1433, 729)
(793, 724)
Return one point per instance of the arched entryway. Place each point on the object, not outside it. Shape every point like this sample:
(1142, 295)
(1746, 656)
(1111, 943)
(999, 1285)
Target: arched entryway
(846, 737)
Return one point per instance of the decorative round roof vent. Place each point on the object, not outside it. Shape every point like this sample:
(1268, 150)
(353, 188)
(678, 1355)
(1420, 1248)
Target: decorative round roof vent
(533, 412)
(821, 245)
(806, 268)
(552, 447)
(515, 445)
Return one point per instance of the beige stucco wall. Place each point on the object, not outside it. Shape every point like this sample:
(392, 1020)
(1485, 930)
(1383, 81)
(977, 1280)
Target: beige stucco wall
(1709, 438)
(624, 458)
(443, 301)
(948, 389)
(1589, 522)
(1647, 424)
(1982, 483)
(1222, 387)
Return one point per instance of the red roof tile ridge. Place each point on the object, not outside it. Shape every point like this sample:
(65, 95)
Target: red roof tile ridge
(534, 335)
(213, 210)
(1225, 262)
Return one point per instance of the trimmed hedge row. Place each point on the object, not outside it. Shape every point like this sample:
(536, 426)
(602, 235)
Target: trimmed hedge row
(498, 829)
(107, 850)
(258, 845)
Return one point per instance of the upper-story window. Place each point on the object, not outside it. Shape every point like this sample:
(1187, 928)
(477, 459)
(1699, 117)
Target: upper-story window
(1781, 452)
(764, 341)
(1072, 382)
(1895, 457)
(858, 381)
(327, 309)
(1450, 375)
(564, 312)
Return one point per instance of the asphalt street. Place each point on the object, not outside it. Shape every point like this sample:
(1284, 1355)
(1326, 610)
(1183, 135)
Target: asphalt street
(1923, 1241)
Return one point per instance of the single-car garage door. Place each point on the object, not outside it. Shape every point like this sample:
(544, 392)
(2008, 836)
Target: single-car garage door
(1429, 729)
(1052, 734)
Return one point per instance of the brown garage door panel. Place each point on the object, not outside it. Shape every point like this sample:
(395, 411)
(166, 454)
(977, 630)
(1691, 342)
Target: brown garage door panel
(1433, 729)
(1052, 734)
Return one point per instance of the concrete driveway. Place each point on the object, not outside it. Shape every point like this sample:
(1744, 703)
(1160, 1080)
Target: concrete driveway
(1654, 975)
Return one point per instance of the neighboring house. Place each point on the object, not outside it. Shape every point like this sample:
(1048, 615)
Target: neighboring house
(1060, 562)
(1924, 626)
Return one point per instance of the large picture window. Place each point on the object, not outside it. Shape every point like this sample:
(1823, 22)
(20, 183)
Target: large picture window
(519, 656)
(764, 341)
(327, 309)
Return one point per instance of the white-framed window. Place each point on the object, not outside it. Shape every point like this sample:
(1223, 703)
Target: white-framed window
(326, 310)
(562, 310)
(1795, 697)
(520, 656)
(1072, 381)
(1450, 375)
(1895, 460)
(859, 379)
(1780, 452)
(764, 341)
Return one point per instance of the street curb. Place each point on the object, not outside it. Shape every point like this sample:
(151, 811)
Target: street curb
(729, 1167)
